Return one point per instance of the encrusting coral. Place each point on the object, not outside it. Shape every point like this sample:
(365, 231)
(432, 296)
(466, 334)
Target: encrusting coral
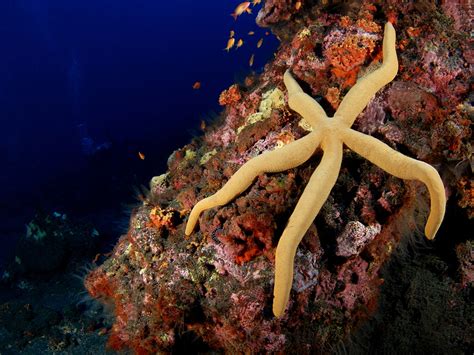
(329, 133)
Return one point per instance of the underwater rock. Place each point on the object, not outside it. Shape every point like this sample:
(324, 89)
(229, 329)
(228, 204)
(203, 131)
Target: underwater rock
(355, 237)
(51, 241)
(213, 289)
(465, 255)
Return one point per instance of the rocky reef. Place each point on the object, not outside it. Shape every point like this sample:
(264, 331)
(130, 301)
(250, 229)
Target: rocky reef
(214, 289)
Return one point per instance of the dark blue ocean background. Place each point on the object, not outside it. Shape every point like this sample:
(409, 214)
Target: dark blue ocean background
(87, 84)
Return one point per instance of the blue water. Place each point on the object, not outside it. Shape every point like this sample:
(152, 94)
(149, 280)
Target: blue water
(86, 84)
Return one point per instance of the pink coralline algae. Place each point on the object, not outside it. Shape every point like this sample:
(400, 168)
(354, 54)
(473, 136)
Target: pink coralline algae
(213, 289)
(275, 11)
(373, 118)
(355, 237)
(441, 70)
(306, 271)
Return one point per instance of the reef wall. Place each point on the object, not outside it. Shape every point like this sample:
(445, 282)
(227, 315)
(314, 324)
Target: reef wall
(213, 289)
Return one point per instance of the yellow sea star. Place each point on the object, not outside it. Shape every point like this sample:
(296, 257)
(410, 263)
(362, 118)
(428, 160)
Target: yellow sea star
(329, 133)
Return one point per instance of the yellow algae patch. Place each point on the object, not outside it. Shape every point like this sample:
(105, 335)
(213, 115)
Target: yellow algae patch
(205, 158)
(157, 181)
(305, 32)
(189, 154)
(272, 99)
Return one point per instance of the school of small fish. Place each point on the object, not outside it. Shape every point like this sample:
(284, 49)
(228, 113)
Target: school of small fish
(244, 7)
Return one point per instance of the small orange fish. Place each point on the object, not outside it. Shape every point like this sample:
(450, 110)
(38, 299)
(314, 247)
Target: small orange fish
(240, 42)
(267, 33)
(203, 125)
(259, 43)
(197, 85)
(96, 258)
(230, 44)
(240, 9)
(251, 33)
(251, 59)
(298, 5)
(256, 2)
(141, 155)
(232, 33)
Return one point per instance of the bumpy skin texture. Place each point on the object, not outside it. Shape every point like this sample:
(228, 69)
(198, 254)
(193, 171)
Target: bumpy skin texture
(213, 289)
(329, 134)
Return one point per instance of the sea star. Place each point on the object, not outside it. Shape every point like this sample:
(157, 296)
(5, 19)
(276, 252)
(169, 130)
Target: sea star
(329, 133)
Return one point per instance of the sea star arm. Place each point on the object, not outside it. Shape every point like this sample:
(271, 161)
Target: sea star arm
(366, 87)
(308, 206)
(301, 102)
(402, 167)
(285, 158)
